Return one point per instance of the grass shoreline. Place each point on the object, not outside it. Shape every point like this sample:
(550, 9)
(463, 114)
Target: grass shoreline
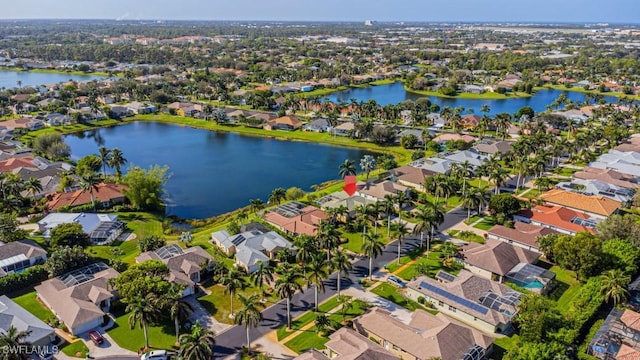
(61, 72)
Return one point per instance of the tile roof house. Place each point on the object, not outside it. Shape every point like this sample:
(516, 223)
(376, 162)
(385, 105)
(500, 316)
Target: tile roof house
(284, 123)
(426, 336)
(558, 218)
(433, 164)
(251, 247)
(625, 162)
(344, 129)
(595, 206)
(14, 315)
(14, 163)
(470, 121)
(378, 191)
(441, 139)
(598, 187)
(484, 304)
(101, 228)
(412, 176)
(347, 344)
(296, 218)
(609, 176)
(341, 198)
(522, 234)
(618, 338)
(494, 259)
(80, 298)
(104, 195)
(19, 255)
(185, 265)
(489, 147)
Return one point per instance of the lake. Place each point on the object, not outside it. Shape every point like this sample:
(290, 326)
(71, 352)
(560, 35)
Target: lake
(395, 93)
(215, 172)
(9, 79)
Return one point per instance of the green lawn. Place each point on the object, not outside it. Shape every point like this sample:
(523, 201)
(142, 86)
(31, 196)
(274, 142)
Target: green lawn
(567, 287)
(434, 261)
(485, 224)
(75, 349)
(218, 303)
(30, 302)
(532, 194)
(392, 293)
(160, 336)
(473, 219)
(414, 254)
(564, 171)
(307, 318)
(467, 236)
(354, 241)
(142, 224)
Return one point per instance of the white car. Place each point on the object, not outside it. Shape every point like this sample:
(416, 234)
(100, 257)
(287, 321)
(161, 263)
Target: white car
(155, 355)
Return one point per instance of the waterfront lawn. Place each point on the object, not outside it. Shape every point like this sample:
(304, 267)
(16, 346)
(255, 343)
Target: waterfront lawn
(75, 349)
(307, 318)
(141, 223)
(69, 129)
(29, 302)
(161, 336)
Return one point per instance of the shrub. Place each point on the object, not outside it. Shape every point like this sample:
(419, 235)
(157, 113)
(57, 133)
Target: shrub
(17, 281)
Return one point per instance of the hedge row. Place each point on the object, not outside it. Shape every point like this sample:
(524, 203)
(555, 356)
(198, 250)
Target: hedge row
(17, 281)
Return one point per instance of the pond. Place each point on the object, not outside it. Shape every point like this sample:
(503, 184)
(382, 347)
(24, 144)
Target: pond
(216, 172)
(395, 93)
(9, 79)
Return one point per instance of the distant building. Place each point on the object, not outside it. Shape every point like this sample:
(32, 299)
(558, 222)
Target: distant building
(369, 22)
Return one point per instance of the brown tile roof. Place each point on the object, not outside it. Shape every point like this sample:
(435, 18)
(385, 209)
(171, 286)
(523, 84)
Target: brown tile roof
(412, 175)
(286, 120)
(103, 192)
(609, 176)
(631, 319)
(191, 260)
(556, 216)
(522, 233)
(592, 204)
(454, 137)
(426, 336)
(14, 163)
(306, 223)
(626, 352)
(494, 147)
(352, 346)
(497, 256)
(381, 189)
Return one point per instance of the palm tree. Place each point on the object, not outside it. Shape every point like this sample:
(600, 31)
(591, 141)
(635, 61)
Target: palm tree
(33, 186)
(430, 216)
(179, 309)
(104, 155)
(614, 286)
(367, 164)
(143, 311)
(306, 246)
(262, 275)
(470, 200)
(401, 200)
(249, 316)
(498, 175)
(322, 323)
(90, 182)
(13, 339)
(256, 205)
(317, 272)
(116, 161)
(400, 230)
(348, 167)
(464, 170)
(388, 205)
(372, 247)
(277, 195)
(233, 281)
(197, 345)
(287, 285)
(328, 237)
(342, 265)
(346, 304)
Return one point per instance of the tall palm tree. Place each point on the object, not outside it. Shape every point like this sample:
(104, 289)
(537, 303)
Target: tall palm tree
(328, 237)
(179, 309)
(400, 230)
(389, 205)
(348, 167)
(143, 311)
(317, 272)
(89, 182)
(342, 265)
(306, 246)
(277, 195)
(233, 281)
(116, 161)
(264, 274)
(289, 282)
(464, 171)
(256, 205)
(249, 316)
(13, 338)
(198, 344)
(470, 200)
(104, 155)
(33, 186)
(367, 164)
(499, 176)
(401, 199)
(431, 215)
(614, 286)
(372, 248)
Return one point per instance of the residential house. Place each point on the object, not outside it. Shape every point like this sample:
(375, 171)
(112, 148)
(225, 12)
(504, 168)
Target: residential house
(415, 132)
(185, 265)
(23, 123)
(23, 108)
(344, 129)
(495, 258)
(104, 195)
(15, 163)
(609, 176)
(342, 199)
(284, 123)
(484, 304)
(522, 234)
(317, 125)
(141, 108)
(473, 89)
(412, 176)
(631, 144)
(18, 256)
(120, 111)
(598, 187)
(378, 191)
(625, 162)
(618, 338)
(49, 102)
(488, 147)
(49, 175)
(347, 344)
(14, 315)
(57, 119)
(101, 228)
(433, 165)
(559, 218)
(595, 206)
(185, 109)
(426, 336)
(442, 139)
(296, 218)
(470, 121)
(80, 298)
(471, 156)
(251, 248)
(106, 99)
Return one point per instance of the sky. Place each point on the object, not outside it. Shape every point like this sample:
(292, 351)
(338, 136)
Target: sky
(581, 11)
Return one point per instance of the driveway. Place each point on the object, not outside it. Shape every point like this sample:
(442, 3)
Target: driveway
(109, 349)
(206, 319)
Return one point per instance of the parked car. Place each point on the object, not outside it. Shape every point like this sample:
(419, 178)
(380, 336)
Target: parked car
(395, 281)
(95, 336)
(155, 355)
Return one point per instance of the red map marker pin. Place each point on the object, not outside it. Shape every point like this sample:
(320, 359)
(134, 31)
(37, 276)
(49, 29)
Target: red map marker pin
(350, 186)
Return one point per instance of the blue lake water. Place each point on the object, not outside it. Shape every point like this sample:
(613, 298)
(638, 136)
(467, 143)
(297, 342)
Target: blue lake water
(395, 93)
(9, 79)
(214, 172)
